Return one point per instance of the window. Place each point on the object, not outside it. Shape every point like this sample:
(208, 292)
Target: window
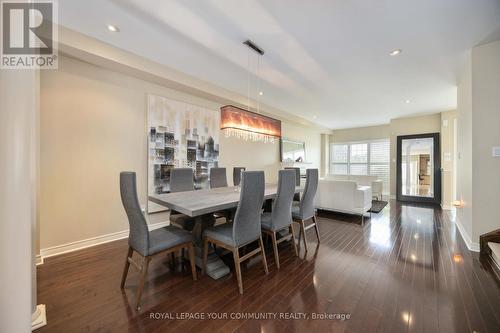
(362, 158)
(359, 153)
(340, 159)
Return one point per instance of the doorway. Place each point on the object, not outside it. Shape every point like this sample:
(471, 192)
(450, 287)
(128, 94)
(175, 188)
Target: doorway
(419, 168)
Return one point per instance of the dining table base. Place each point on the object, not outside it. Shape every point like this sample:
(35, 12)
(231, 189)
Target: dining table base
(216, 268)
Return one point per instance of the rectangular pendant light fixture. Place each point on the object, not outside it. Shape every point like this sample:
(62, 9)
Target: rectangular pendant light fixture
(249, 125)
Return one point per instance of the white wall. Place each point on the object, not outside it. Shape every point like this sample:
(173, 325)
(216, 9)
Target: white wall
(447, 150)
(93, 127)
(485, 135)
(464, 167)
(251, 155)
(361, 134)
(18, 146)
(478, 183)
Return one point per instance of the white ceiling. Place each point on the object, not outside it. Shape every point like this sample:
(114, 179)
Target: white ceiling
(326, 61)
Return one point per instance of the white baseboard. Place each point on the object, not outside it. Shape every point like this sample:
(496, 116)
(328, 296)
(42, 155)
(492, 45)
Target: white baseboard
(85, 243)
(38, 259)
(39, 318)
(472, 246)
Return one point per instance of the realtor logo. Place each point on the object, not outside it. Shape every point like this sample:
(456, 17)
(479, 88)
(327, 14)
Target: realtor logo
(29, 35)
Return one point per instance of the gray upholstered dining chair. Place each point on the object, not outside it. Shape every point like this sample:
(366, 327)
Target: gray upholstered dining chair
(218, 177)
(281, 215)
(245, 227)
(237, 175)
(304, 210)
(296, 196)
(181, 180)
(148, 243)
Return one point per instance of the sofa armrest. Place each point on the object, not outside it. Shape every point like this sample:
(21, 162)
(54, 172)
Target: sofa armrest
(363, 197)
(377, 187)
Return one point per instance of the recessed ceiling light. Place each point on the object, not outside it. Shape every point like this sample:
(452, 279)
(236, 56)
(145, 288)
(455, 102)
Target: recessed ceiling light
(261, 93)
(395, 52)
(113, 28)
(407, 101)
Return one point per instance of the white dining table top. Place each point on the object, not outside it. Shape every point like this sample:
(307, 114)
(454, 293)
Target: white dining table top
(200, 202)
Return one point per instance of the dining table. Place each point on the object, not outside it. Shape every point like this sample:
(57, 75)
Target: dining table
(201, 205)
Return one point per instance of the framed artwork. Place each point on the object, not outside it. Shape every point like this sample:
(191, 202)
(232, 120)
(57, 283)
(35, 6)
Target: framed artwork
(180, 135)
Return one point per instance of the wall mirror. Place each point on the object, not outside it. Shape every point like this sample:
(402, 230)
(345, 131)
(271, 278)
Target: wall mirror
(293, 150)
(419, 168)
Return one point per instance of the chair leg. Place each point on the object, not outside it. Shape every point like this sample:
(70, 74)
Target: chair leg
(192, 260)
(275, 250)
(264, 262)
(205, 255)
(292, 231)
(303, 233)
(316, 228)
(237, 267)
(127, 265)
(144, 272)
(300, 235)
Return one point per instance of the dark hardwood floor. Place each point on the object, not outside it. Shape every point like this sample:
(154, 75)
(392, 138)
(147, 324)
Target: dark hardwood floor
(406, 270)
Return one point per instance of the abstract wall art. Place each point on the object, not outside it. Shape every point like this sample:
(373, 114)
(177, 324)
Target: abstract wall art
(180, 135)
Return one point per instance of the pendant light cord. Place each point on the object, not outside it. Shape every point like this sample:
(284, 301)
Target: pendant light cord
(258, 80)
(248, 79)
(260, 88)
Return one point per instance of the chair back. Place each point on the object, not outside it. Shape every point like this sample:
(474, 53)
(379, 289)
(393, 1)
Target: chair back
(307, 202)
(246, 222)
(181, 180)
(218, 177)
(138, 237)
(282, 206)
(296, 196)
(297, 175)
(237, 175)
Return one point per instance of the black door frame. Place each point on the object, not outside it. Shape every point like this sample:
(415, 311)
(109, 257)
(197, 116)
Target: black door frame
(437, 170)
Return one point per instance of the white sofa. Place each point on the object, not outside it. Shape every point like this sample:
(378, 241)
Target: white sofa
(376, 184)
(344, 196)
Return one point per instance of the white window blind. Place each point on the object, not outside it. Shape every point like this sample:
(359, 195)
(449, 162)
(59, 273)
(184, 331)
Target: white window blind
(340, 153)
(362, 158)
(359, 153)
(380, 155)
(340, 158)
